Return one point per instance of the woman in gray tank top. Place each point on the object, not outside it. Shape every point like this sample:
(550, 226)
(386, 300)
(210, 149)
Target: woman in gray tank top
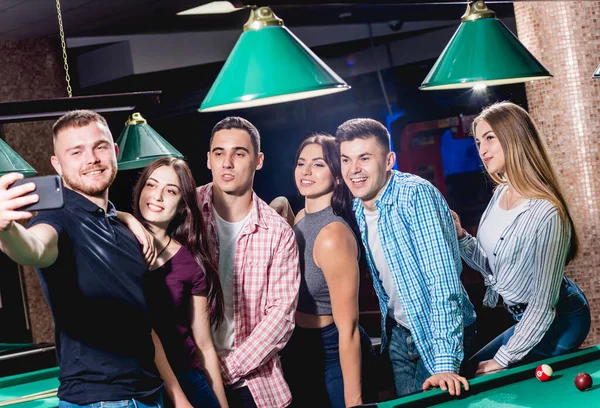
(322, 360)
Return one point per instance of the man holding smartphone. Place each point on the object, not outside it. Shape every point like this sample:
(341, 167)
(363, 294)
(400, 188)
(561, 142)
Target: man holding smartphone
(89, 265)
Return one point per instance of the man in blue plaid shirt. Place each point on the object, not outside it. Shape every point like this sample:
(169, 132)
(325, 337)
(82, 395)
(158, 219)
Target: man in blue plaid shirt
(413, 257)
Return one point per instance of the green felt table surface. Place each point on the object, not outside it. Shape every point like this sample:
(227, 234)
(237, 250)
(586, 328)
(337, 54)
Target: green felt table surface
(519, 388)
(512, 388)
(12, 346)
(30, 383)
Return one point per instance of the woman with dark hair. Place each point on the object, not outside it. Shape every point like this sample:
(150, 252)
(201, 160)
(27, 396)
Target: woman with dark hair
(183, 289)
(322, 360)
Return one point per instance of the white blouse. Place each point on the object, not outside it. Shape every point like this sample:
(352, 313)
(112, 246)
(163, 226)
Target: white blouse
(526, 266)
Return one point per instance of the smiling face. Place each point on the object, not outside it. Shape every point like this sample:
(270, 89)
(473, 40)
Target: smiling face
(233, 161)
(312, 175)
(489, 147)
(160, 197)
(365, 168)
(86, 158)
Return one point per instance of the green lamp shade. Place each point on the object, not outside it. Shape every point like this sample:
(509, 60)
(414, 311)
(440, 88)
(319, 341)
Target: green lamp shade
(140, 145)
(270, 65)
(483, 51)
(11, 162)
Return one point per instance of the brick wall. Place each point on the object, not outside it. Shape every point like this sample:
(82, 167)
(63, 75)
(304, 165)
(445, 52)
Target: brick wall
(565, 37)
(32, 69)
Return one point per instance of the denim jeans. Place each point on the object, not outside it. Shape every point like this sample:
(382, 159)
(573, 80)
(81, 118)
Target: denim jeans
(196, 388)
(311, 365)
(408, 367)
(129, 403)
(567, 332)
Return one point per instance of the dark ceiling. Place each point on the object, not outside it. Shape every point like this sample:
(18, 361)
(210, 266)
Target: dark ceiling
(38, 18)
(294, 14)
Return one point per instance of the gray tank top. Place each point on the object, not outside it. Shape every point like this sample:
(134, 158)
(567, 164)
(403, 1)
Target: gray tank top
(313, 297)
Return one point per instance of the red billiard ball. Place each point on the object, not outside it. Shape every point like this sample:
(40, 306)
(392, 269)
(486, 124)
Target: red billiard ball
(543, 372)
(583, 381)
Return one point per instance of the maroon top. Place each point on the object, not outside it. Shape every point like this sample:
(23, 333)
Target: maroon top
(169, 291)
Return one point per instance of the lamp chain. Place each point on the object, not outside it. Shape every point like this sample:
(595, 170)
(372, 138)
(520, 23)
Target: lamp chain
(64, 49)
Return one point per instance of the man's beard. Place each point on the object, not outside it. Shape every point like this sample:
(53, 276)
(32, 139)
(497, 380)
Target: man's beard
(96, 190)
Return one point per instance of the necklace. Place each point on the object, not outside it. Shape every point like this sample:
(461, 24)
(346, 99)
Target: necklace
(165, 247)
(514, 200)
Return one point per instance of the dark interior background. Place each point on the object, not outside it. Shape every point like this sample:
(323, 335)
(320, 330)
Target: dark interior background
(284, 126)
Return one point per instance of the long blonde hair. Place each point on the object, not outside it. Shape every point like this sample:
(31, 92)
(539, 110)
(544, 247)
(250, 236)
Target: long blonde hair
(527, 164)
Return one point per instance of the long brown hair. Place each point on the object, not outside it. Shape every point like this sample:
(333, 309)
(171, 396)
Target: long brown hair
(188, 228)
(527, 163)
(341, 200)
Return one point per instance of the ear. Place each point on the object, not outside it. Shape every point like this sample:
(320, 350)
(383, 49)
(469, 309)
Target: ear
(390, 160)
(56, 164)
(208, 161)
(260, 161)
(116, 150)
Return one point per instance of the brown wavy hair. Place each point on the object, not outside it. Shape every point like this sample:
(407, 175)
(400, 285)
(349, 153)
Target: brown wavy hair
(341, 200)
(188, 228)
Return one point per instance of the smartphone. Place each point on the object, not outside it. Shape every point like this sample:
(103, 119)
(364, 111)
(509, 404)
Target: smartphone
(48, 188)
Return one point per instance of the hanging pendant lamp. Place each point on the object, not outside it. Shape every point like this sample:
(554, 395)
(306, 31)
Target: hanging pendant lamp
(269, 65)
(596, 73)
(139, 144)
(483, 51)
(11, 162)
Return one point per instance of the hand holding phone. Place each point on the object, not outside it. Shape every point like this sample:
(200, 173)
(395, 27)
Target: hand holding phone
(49, 189)
(13, 199)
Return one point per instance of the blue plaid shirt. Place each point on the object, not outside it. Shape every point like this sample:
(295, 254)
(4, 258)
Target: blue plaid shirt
(421, 249)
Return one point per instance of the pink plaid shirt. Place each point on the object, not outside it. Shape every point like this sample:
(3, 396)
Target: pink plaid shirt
(265, 294)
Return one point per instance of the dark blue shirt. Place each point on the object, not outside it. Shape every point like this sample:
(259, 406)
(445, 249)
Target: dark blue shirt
(95, 292)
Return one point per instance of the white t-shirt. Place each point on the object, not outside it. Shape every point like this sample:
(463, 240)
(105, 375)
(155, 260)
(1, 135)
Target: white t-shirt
(493, 227)
(395, 309)
(228, 233)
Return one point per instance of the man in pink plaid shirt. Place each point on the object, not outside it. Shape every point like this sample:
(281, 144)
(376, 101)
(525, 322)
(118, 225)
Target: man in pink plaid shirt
(258, 269)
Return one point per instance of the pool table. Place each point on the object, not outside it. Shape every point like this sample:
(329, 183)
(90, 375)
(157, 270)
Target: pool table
(11, 347)
(519, 388)
(18, 358)
(29, 383)
(512, 388)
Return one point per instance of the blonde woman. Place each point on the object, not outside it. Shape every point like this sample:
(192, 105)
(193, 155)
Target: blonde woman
(525, 239)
